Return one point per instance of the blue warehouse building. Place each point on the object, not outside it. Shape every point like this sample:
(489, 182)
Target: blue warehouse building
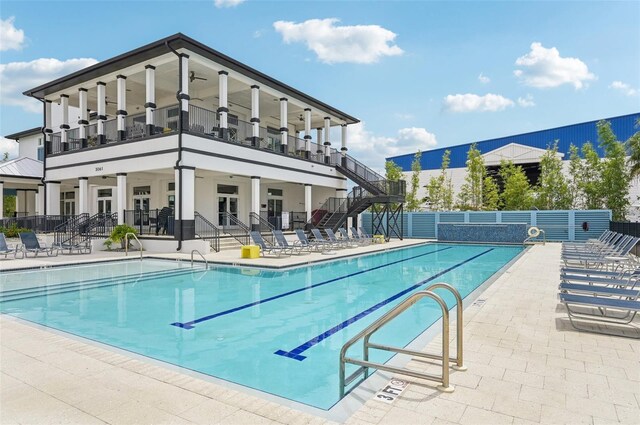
(578, 134)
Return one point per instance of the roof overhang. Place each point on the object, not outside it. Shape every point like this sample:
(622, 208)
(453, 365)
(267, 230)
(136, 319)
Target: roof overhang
(25, 133)
(159, 48)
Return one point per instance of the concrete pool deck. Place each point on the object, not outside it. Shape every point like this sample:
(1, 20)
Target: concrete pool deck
(526, 365)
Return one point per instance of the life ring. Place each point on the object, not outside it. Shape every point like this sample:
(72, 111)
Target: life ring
(533, 232)
(585, 226)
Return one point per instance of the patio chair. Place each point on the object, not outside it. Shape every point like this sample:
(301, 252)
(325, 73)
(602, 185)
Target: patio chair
(318, 237)
(30, 244)
(605, 237)
(264, 248)
(282, 242)
(83, 247)
(608, 243)
(342, 242)
(345, 236)
(310, 245)
(618, 253)
(6, 249)
(361, 236)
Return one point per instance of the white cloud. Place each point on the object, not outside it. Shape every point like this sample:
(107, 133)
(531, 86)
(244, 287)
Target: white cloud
(8, 145)
(526, 102)
(372, 150)
(16, 77)
(334, 43)
(227, 3)
(543, 68)
(11, 38)
(623, 88)
(402, 116)
(472, 102)
(484, 79)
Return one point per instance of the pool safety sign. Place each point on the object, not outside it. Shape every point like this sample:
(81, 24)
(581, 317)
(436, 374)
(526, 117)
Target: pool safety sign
(391, 391)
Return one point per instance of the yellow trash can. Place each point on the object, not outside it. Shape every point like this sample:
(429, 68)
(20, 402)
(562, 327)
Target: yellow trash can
(250, 251)
(378, 239)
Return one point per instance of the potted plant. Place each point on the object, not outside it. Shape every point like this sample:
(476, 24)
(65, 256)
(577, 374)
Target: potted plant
(118, 235)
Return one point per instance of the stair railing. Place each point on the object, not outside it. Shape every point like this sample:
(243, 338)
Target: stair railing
(235, 228)
(208, 231)
(263, 226)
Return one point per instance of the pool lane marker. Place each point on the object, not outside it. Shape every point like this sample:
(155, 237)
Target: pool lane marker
(190, 325)
(296, 353)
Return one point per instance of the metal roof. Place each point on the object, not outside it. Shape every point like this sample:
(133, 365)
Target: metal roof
(577, 134)
(22, 167)
(178, 41)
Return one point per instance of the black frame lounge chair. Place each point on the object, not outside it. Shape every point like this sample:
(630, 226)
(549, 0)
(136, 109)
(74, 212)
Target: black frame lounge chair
(5, 249)
(355, 237)
(342, 241)
(318, 237)
(282, 242)
(310, 245)
(257, 238)
(30, 244)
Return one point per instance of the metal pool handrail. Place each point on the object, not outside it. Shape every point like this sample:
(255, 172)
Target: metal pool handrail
(126, 243)
(206, 263)
(366, 333)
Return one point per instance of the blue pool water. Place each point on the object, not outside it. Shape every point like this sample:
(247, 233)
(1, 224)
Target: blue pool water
(276, 331)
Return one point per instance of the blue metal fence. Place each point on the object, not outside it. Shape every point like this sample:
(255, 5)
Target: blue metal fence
(561, 225)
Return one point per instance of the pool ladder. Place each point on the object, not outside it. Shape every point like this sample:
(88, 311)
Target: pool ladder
(206, 263)
(366, 334)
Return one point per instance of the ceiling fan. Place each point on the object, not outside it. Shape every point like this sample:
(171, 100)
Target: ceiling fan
(192, 77)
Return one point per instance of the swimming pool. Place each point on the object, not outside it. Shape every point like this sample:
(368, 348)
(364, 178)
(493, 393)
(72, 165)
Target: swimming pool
(275, 331)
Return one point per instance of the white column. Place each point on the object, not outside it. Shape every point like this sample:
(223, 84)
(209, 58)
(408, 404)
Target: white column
(150, 104)
(319, 149)
(101, 89)
(223, 109)
(31, 202)
(255, 194)
(307, 131)
(255, 114)
(64, 127)
(327, 142)
(184, 96)
(83, 195)
(185, 178)
(1, 199)
(284, 130)
(40, 200)
(121, 196)
(84, 116)
(53, 198)
(48, 129)
(121, 113)
(307, 200)
(344, 149)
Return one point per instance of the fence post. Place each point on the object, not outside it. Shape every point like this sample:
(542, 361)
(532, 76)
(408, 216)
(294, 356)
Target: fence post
(534, 218)
(435, 224)
(466, 216)
(498, 216)
(572, 225)
(410, 225)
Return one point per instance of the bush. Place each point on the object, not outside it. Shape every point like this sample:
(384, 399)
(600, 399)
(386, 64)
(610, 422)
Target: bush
(13, 230)
(118, 235)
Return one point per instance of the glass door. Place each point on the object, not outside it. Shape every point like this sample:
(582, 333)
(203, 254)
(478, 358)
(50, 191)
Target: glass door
(104, 206)
(227, 204)
(69, 208)
(141, 202)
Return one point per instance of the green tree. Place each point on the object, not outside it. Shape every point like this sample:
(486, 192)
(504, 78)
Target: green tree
(590, 183)
(575, 174)
(393, 172)
(490, 194)
(413, 202)
(440, 188)
(516, 193)
(616, 177)
(633, 144)
(470, 195)
(552, 191)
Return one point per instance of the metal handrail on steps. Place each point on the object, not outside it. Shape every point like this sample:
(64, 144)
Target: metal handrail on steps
(366, 334)
(126, 243)
(206, 263)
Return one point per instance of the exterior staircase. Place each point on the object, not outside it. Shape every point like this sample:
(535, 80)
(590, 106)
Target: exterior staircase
(372, 189)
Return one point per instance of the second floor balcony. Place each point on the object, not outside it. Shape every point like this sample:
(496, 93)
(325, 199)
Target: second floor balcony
(203, 123)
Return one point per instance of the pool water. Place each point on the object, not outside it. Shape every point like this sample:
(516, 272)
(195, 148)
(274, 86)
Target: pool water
(276, 331)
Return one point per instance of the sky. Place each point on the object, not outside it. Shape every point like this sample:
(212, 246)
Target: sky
(418, 74)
